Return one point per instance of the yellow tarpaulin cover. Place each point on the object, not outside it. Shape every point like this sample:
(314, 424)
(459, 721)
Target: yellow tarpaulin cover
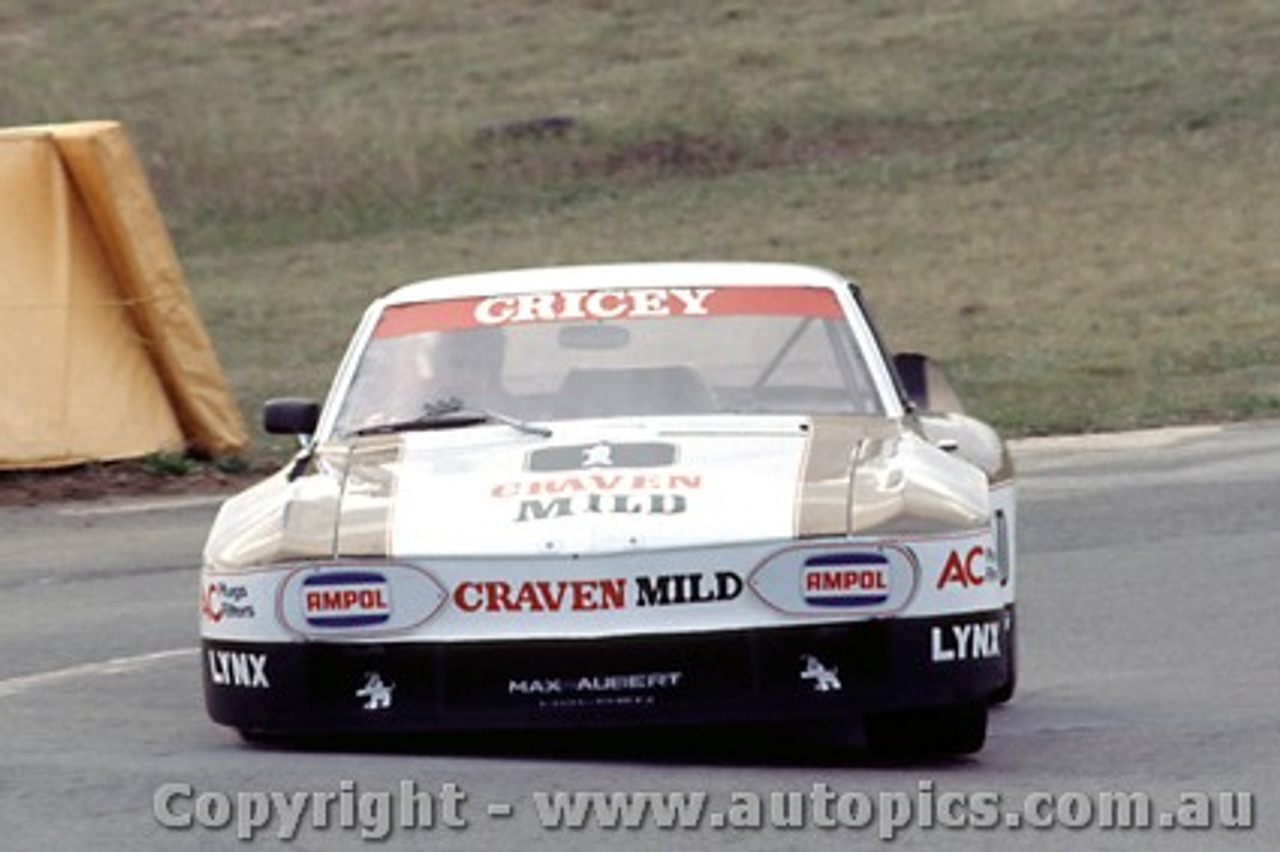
(102, 352)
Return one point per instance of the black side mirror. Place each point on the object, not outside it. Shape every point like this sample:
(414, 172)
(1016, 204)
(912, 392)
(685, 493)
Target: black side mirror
(925, 384)
(290, 416)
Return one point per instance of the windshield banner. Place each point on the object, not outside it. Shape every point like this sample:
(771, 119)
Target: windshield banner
(587, 305)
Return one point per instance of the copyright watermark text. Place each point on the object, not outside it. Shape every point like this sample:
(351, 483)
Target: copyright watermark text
(374, 815)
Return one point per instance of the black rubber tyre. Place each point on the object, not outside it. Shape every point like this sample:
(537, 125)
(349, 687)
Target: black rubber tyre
(1006, 690)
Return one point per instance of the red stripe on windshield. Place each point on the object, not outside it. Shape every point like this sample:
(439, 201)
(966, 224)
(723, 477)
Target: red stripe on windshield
(591, 305)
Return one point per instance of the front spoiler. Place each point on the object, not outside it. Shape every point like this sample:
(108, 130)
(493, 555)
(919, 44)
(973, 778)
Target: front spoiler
(832, 671)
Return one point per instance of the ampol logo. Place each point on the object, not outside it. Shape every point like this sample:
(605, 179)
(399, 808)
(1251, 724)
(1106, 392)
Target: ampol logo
(346, 599)
(845, 580)
(865, 579)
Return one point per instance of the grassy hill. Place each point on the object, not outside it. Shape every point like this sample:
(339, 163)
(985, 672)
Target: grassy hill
(1073, 203)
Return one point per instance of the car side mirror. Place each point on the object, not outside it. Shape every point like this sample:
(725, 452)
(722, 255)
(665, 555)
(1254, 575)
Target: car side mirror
(290, 416)
(925, 383)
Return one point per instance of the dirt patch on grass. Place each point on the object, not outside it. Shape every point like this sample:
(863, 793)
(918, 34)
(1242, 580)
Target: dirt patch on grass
(100, 481)
(689, 155)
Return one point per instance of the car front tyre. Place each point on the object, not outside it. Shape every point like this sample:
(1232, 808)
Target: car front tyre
(1005, 692)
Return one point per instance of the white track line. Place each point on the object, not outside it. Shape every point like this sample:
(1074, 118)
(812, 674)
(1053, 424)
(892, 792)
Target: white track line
(120, 665)
(134, 506)
(1139, 439)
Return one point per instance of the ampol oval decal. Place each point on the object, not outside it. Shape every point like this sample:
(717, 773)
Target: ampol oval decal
(346, 599)
(844, 580)
(837, 579)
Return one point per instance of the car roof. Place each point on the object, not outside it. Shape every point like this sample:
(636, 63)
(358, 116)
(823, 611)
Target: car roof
(616, 276)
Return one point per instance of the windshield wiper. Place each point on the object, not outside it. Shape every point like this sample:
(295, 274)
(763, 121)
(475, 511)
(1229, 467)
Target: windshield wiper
(452, 413)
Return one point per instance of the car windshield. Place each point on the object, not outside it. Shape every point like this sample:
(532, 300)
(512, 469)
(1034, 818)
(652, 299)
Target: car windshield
(554, 356)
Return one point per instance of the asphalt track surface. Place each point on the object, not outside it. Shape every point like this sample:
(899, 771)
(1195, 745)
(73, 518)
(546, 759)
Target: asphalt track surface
(1149, 651)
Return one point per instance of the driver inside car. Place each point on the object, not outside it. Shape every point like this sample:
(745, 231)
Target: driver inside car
(403, 378)
(466, 366)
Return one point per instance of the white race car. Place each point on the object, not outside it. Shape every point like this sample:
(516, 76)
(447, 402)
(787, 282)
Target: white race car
(634, 494)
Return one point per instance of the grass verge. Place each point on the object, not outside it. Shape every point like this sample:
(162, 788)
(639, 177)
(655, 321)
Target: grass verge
(1070, 203)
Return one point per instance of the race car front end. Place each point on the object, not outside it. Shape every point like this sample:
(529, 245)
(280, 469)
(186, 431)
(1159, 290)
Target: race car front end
(676, 584)
(724, 644)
